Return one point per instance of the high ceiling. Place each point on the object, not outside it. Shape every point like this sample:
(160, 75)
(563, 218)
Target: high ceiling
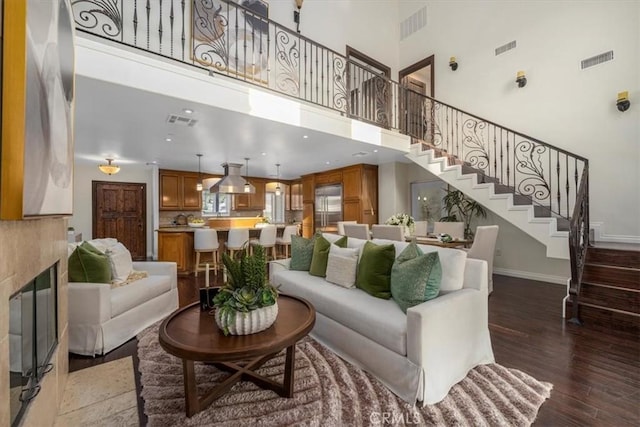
(131, 126)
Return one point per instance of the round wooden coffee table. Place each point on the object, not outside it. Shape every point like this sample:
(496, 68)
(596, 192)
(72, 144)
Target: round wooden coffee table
(193, 335)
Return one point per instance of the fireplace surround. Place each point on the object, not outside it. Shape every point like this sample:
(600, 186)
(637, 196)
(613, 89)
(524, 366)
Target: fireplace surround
(33, 337)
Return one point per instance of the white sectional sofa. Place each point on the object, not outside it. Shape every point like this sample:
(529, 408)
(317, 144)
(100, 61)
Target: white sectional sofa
(420, 355)
(102, 318)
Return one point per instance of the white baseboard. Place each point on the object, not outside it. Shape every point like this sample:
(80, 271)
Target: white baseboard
(558, 280)
(601, 236)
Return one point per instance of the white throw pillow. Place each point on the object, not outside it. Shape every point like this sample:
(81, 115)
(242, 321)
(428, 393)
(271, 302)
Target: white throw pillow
(121, 262)
(342, 266)
(103, 244)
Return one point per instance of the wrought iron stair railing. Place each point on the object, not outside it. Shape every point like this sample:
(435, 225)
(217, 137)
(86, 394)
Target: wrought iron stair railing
(226, 38)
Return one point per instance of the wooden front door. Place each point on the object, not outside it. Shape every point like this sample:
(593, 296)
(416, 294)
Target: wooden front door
(119, 211)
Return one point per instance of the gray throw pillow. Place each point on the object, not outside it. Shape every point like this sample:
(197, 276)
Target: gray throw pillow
(301, 253)
(415, 277)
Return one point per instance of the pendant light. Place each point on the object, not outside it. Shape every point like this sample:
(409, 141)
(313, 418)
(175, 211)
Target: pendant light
(109, 168)
(278, 178)
(199, 184)
(247, 186)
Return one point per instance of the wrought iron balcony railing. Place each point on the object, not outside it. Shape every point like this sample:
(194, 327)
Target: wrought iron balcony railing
(226, 38)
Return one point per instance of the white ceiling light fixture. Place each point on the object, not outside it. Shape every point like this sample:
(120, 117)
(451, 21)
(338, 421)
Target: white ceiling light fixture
(109, 168)
(199, 184)
(278, 192)
(187, 111)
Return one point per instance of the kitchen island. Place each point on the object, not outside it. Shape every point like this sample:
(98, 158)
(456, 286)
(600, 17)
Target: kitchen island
(175, 243)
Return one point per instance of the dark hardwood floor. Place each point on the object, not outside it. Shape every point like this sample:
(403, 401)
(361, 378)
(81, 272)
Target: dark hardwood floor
(595, 371)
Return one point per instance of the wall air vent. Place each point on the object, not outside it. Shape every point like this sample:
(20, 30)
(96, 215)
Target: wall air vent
(413, 23)
(181, 120)
(595, 60)
(502, 49)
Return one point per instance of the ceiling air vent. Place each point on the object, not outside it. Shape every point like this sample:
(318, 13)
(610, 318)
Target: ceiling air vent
(413, 23)
(595, 60)
(181, 120)
(502, 49)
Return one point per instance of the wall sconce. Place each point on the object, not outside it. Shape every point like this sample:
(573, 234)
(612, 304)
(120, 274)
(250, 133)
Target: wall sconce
(453, 64)
(296, 14)
(109, 169)
(623, 102)
(521, 79)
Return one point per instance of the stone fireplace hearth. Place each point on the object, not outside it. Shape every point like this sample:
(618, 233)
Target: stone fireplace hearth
(26, 249)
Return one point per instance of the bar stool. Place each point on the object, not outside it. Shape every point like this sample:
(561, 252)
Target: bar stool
(285, 240)
(206, 241)
(267, 239)
(237, 239)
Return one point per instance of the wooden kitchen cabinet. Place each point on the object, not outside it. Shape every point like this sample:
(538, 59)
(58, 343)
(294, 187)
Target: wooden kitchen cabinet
(251, 202)
(295, 195)
(359, 194)
(177, 247)
(327, 178)
(178, 191)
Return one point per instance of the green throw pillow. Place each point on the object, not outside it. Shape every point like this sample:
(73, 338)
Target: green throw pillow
(415, 277)
(374, 269)
(88, 246)
(85, 265)
(321, 255)
(301, 253)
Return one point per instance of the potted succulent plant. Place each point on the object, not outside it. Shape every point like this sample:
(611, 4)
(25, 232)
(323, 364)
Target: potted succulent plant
(247, 303)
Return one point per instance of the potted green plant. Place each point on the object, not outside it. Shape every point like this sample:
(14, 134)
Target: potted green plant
(247, 303)
(461, 208)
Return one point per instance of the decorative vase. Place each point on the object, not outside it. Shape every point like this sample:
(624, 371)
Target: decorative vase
(408, 231)
(250, 322)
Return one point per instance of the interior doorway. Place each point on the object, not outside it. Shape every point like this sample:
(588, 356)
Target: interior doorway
(419, 78)
(369, 88)
(119, 211)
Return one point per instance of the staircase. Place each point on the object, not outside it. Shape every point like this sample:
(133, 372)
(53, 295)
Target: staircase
(610, 289)
(537, 221)
(541, 189)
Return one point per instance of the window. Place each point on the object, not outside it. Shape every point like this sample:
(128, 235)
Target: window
(215, 203)
(274, 207)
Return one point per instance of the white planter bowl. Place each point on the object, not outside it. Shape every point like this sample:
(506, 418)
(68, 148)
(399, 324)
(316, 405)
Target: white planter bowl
(252, 322)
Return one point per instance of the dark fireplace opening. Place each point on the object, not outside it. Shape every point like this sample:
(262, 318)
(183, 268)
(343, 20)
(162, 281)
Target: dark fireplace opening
(33, 337)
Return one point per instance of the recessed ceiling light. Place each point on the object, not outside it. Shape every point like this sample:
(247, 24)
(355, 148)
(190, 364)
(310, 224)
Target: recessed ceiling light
(263, 153)
(327, 162)
(305, 136)
(375, 151)
(168, 139)
(188, 111)
(360, 154)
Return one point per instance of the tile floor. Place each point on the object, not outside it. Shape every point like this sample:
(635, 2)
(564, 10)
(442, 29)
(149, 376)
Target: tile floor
(103, 395)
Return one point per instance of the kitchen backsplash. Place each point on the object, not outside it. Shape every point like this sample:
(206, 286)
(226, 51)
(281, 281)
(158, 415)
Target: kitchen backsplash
(168, 217)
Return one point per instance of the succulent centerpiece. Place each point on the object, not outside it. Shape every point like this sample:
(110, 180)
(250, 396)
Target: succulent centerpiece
(247, 303)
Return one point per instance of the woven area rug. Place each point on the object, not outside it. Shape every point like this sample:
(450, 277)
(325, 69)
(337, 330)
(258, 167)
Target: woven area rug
(331, 392)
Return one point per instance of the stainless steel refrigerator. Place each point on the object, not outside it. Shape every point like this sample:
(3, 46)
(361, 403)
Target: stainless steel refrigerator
(328, 207)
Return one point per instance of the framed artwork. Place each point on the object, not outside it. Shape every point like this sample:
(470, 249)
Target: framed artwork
(36, 163)
(230, 39)
(426, 201)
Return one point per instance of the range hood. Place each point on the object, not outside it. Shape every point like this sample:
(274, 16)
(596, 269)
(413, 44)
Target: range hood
(232, 182)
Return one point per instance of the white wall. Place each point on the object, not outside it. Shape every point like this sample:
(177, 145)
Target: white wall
(561, 105)
(368, 26)
(86, 173)
(393, 190)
